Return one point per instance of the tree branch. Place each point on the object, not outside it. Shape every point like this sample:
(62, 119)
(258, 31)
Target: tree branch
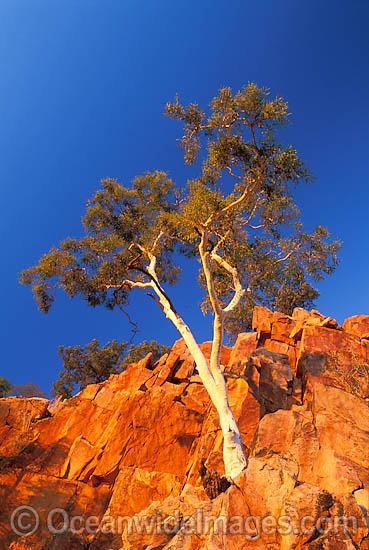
(134, 325)
(204, 255)
(285, 257)
(239, 291)
(224, 210)
(131, 284)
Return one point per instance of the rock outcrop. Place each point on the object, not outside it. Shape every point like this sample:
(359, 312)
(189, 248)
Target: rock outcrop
(118, 465)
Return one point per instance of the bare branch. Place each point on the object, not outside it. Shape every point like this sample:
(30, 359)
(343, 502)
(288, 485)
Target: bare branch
(256, 226)
(253, 210)
(131, 284)
(161, 233)
(205, 255)
(285, 257)
(134, 325)
(239, 291)
(156, 300)
(231, 173)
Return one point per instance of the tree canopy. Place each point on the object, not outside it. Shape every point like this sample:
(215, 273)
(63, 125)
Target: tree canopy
(92, 364)
(242, 199)
(238, 218)
(5, 387)
(28, 390)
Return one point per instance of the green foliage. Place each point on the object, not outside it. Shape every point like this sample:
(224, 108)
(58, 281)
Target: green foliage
(137, 352)
(118, 219)
(241, 205)
(243, 198)
(5, 387)
(90, 364)
(28, 390)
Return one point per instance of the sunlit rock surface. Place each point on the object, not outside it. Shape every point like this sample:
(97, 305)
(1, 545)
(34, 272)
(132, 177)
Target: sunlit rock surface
(130, 449)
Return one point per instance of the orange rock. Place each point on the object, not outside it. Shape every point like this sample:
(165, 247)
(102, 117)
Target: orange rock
(280, 347)
(20, 412)
(135, 489)
(245, 344)
(358, 325)
(282, 326)
(276, 380)
(129, 445)
(323, 340)
(225, 352)
(262, 320)
(300, 314)
(80, 454)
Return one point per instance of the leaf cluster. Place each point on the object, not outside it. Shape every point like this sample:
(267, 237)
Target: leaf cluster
(240, 207)
(243, 198)
(28, 390)
(5, 387)
(92, 364)
(119, 223)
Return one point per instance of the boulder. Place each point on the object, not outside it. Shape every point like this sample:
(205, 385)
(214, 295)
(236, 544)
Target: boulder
(282, 326)
(262, 320)
(245, 344)
(357, 325)
(276, 380)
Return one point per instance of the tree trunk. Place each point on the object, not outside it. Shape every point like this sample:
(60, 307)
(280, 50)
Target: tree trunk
(233, 453)
(211, 376)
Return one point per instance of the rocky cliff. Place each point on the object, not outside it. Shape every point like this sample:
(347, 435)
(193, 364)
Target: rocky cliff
(117, 466)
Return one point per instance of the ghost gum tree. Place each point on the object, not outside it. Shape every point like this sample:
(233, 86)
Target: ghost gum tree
(237, 218)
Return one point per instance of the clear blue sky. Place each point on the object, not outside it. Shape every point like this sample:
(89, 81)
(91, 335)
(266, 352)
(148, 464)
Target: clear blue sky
(83, 87)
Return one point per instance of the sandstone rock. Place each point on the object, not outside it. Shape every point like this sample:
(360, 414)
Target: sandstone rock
(324, 340)
(282, 326)
(352, 518)
(304, 509)
(135, 489)
(320, 349)
(45, 494)
(165, 368)
(313, 319)
(275, 385)
(357, 325)
(245, 344)
(327, 445)
(225, 352)
(262, 320)
(20, 412)
(342, 424)
(362, 498)
(18, 418)
(285, 349)
(133, 445)
(80, 454)
(182, 358)
(155, 526)
(365, 350)
(292, 437)
(300, 314)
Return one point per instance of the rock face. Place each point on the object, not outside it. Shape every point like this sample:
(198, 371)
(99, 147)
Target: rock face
(117, 466)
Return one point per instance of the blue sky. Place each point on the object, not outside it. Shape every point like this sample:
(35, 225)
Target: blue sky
(83, 87)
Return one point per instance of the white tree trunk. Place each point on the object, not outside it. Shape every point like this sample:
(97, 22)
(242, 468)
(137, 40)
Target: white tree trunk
(211, 376)
(233, 453)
